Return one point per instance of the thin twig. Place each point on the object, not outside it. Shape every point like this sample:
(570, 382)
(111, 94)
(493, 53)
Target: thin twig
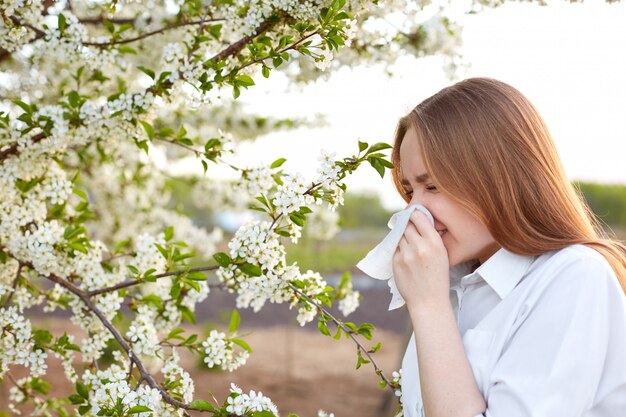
(287, 48)
(348, 331)
(148, 34)
(131, 283)
(15, 282)
(119, 255)
(118, 337)
(101, 19)
(182, 145)
(12, 150)
(238, 46)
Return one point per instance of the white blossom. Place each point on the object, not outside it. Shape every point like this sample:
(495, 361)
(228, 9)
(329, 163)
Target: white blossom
(219, 351)
(241, 404)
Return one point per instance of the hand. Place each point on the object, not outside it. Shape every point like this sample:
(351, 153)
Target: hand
(420, 264)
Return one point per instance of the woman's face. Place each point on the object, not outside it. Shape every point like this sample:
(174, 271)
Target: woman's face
(463, 235)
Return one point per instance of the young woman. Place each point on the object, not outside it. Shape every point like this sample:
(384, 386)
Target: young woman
(515, 294)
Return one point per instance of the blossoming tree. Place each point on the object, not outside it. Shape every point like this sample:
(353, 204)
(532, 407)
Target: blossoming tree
(90, 92)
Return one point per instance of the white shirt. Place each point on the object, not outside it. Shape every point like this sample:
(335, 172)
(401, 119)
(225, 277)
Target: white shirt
(545, 336)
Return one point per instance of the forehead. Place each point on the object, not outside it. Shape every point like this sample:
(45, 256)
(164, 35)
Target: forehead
(411, 163)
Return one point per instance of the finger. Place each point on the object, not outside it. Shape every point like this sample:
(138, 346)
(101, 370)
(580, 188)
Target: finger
(423, 225)
(411, 234)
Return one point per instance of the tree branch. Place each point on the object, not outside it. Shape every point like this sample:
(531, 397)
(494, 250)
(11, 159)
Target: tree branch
(349, 332)
(145, 375)
(137, 282)
(182, 145)
(12, 150)
(15, 281)
(148, 34)
(285, 49)
(100, 19)
(238, 46)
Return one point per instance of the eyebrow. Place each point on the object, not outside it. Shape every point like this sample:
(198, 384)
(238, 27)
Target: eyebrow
(419, 179)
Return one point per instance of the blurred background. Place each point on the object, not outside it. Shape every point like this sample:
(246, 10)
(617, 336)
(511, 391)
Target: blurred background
(566, 57)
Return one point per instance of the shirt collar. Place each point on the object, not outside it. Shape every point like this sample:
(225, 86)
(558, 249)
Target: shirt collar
(502, 271)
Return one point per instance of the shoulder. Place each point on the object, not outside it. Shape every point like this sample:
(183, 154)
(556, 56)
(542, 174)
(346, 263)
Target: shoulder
(580, 258)
(578, 268)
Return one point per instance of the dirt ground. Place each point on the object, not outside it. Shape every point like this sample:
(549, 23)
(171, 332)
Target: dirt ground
(300, 369)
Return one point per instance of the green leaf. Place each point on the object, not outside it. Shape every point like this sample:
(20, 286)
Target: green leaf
(277, 163)
(191, 339)
(235, 319)
(169, 233)
(139, 409)
(127, 50)
(222, 259)
(26, 186)
(202, 405)
(147, 71)
(62, 22)
(263, 413)
(265, 71)
(80, 193)
(365, 330)
(375, 163)
(197, 276)
(74, 99)
(322, 327)
(378, 147)
(175, 290)
(175, 334)
(297, 219)
(76, 399)
(187, 314)
(82, 390)
(143, 145)
(149, 129)
(166, 132)
(242, 343)
(264, 201)
(250, 269)
(109, 26)
(42, 337)
(79, 247)
(360, 359)
(84, 409)
(337, 335)
(152, 299)
(245, 80)
(40, 386)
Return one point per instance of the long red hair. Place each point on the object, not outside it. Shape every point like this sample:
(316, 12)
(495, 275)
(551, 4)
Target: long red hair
(485, 144)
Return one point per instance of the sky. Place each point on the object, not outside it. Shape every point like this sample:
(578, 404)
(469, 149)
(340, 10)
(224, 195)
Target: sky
(568, 59)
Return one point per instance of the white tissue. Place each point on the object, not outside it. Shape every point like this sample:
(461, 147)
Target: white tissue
(378, 262)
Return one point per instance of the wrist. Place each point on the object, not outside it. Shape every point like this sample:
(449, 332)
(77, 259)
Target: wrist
(429, 308)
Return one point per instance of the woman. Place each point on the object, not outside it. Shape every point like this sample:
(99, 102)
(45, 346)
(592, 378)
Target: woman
(515, 295)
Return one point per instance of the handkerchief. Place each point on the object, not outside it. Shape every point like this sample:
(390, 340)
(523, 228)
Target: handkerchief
(378, 262)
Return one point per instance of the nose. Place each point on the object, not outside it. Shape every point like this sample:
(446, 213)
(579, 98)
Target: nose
(416, 200)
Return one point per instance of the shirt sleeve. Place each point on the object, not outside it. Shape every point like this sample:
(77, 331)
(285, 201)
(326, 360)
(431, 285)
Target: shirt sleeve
(555, 360)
